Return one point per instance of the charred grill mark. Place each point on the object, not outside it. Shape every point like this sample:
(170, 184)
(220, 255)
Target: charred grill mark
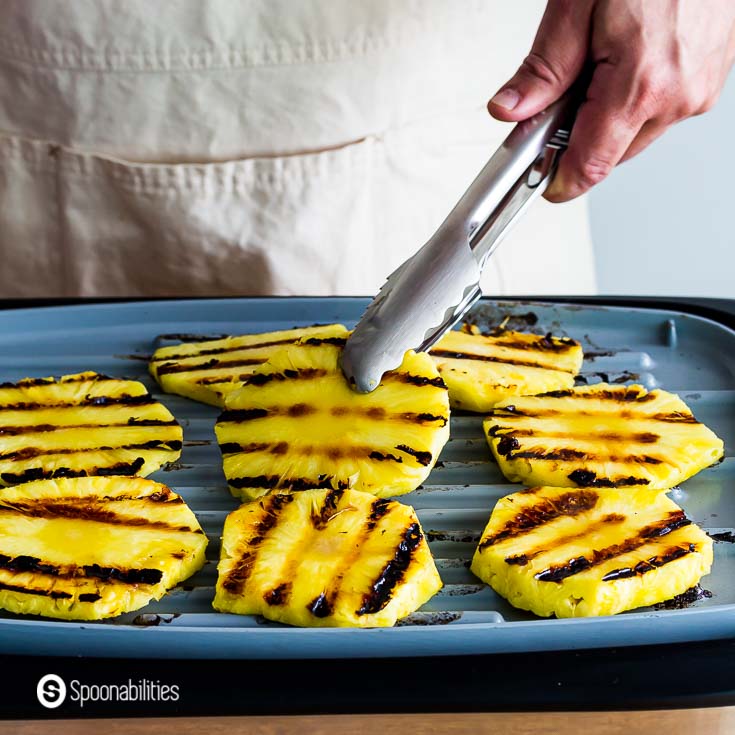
(541, 512)
(423, 458)
(547, 343)
(644, 437)
(53, 594)
(223, 379)
(38, 473)
(559, 572)
(675, 417)
(507, 444)
(89, 597)
(271, 482)
(381, 457)
(320, 607)
(88, 401)
(22, 564)
(85, 511)
(420, 381)
(378, 509)
(173, 445)
(260, 379)
(243, 414)
(44, 428)
(624, 395)
(423, 418)
(318, 341)
(278, 595)
(565, 454)
(234, 581)
(648, 565)
(375, 413)
(325, 603)
(502, 360)
(328, 510)
(587, 478)
(167, 368)
(224, 350)
(526, 556)
(382, 588)
(82, 378)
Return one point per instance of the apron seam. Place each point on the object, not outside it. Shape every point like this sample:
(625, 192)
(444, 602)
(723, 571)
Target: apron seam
(227, 58)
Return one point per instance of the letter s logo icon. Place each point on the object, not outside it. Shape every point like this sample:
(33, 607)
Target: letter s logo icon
(51, 691)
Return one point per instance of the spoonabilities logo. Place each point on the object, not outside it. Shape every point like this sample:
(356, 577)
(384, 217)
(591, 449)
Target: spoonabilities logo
(51, 691)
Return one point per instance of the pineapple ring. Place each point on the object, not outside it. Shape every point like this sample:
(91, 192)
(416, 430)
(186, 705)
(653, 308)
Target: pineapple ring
(208, 371)
(583, 552)
(600, 436)
(83, 424)
(481, 370)
(88, 548)
(297, 425)
(325, 558)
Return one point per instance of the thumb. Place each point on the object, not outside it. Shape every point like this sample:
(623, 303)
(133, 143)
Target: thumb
(556, 59)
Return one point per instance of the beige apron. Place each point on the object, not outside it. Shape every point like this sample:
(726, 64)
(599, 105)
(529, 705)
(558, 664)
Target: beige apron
(206, 147)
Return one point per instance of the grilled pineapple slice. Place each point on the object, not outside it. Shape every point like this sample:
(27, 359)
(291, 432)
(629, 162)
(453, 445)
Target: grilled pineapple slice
(93, 547)
(325, 558)
(600, 436)
(583, 552)
(296, 425)
(83, 424)
(208, 371)
(481, 370)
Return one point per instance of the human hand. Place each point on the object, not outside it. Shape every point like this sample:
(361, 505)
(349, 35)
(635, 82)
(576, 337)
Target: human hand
(654, 62)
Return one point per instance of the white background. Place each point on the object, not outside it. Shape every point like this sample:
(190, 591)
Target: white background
(664, 223)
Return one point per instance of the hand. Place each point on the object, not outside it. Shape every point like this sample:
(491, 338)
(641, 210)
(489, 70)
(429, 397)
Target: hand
(654, 62)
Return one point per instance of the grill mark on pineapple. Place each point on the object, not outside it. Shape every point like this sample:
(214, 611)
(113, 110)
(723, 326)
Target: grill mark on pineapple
(23, 564)
(451, 355)
(420, 381)
(91, 510)
(323, 605)
(588, 478)
(318, 341)
(625, 394)
(223, 350)
(333, 452)
(543, 511)
(320, 606)
(80, 378)
(88, 402)
(225, 378)
(566, 454)
(163, 445)
(328, 510)
(272, 482)
(526, 556)
(676, 417)
(38, 473)
(673, 521)
(547, 343)
(169, 368)
(44, 428)
(278, 595)
(53, 594)
(261, 379)
(394, 571)
(234, 581)
(648, 565)
(376, 413)
(643, 437)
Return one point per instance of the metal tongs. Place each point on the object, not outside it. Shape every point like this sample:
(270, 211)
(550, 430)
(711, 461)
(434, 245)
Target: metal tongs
(429, 293)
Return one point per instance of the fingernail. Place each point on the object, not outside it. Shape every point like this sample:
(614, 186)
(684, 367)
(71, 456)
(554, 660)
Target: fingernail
(506, 98)
(556, 188)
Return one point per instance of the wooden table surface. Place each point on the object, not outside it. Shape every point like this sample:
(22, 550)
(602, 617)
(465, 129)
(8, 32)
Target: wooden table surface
(713, 721)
